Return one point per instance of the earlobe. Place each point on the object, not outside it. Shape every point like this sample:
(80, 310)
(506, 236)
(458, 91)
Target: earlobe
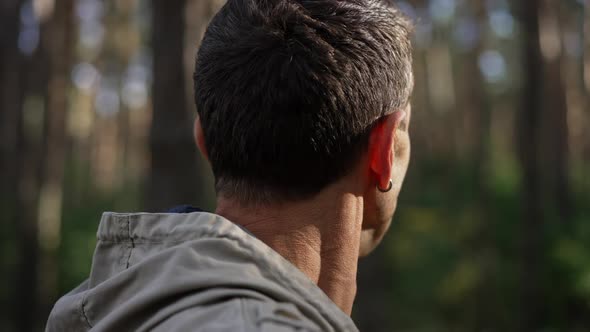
(199, 137)
(388, 189)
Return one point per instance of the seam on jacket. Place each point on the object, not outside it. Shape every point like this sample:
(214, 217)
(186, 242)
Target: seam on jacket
(131, 242)
(243, 313)
(83, 312)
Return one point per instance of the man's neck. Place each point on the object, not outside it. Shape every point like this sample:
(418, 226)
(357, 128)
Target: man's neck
(321, 237)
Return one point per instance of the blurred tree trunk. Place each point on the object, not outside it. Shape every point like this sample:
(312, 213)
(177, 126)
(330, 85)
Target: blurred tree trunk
(528, 134)
(25, 297)
(12, 88)
(473, 113)
(21, 301)
(173, 177)
(555, 140)
(480, 107)
(58, 43)
(11, 94)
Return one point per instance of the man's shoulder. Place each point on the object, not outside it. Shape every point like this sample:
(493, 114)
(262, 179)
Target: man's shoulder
(238, 314)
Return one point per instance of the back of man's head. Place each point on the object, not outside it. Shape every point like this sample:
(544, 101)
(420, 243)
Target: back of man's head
(288, 90)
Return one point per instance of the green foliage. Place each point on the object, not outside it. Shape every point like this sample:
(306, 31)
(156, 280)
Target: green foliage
(456, 260)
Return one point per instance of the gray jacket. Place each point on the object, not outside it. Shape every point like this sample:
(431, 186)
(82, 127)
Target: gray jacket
(191, 272)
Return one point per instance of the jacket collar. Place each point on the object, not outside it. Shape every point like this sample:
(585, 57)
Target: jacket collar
(162, 231)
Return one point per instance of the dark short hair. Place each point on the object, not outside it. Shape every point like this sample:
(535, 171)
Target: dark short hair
(288, 90)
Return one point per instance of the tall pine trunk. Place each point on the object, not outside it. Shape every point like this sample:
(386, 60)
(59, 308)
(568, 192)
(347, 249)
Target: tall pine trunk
(172, 177)
(21, 304)
(58, 44)
(555, 137)
(528, 133)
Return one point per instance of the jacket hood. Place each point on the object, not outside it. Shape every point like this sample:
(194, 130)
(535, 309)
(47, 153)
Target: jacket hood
(145, 262)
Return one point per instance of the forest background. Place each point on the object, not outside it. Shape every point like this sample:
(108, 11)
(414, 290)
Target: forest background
(492, 231)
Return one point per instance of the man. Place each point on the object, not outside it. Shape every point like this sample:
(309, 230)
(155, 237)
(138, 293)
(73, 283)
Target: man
(303, 115)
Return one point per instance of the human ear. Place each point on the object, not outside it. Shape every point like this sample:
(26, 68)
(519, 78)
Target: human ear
(199, 137)
(381, 147)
